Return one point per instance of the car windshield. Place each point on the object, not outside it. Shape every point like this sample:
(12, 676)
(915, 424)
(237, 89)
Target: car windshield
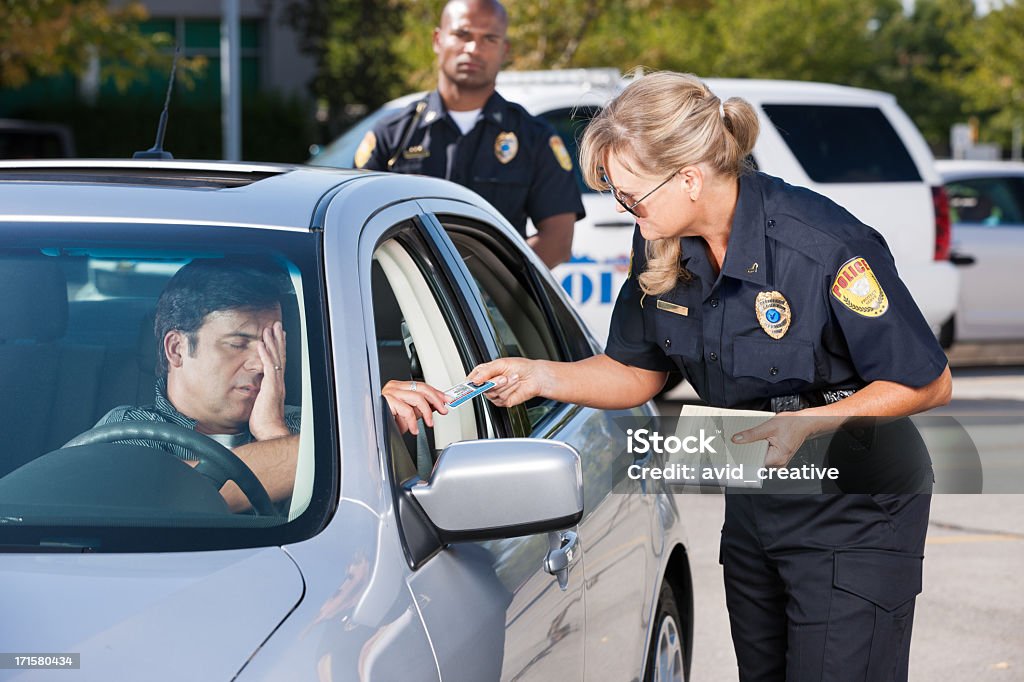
(107, 395)
(342, 152)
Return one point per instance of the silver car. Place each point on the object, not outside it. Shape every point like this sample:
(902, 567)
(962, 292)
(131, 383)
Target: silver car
(499, 544)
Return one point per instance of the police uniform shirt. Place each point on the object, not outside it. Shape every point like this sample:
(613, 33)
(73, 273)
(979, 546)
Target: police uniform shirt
(797, 267)
(513, 160)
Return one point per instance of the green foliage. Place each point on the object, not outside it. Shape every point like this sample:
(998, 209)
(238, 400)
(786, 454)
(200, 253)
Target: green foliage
(992, 50)
(40, 38)
(354, 45)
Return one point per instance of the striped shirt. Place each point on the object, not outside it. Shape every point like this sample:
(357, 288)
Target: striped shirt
(163, 411)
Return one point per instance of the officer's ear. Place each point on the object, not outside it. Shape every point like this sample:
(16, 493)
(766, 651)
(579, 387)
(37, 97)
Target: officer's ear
(175, 346)
(692, 178)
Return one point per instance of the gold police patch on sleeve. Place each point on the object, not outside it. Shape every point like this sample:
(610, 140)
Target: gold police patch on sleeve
(858, 289)
(506, 146)
(561, 153)
(365, 148)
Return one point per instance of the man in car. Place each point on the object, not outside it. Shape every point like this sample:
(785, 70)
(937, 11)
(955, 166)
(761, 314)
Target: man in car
(221, 369)
(466, 132)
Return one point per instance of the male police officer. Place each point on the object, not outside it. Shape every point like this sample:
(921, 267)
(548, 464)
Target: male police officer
(466, 132)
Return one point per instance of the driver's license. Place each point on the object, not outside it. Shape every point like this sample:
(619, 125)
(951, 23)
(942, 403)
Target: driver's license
(465, 392)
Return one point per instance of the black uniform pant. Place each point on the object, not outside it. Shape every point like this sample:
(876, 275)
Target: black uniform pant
(822, 587)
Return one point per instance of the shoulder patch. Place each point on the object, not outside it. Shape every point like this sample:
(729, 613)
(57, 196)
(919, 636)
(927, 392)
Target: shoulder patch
(857, 288)
(365, 149)
(560, 152)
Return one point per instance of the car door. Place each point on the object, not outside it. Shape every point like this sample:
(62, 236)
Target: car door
(491, 609)
(988, 224)
(622, 541)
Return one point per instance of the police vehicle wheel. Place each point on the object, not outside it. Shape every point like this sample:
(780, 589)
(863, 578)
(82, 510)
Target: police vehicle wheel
(666, 658)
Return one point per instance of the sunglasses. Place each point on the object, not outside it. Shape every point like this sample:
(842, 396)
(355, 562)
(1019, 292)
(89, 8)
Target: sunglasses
(626, 200)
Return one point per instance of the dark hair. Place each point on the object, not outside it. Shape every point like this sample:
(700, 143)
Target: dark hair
(204, 286)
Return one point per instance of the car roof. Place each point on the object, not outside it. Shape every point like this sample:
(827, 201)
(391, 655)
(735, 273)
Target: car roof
(166, 191)
(215, 193)
(956, 169)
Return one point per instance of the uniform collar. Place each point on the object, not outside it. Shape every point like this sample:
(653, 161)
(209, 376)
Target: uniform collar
(746, 240)
(493, 110)
(745, 254)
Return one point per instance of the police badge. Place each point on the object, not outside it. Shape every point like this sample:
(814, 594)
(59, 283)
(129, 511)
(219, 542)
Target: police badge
(773, 313)
(506, 146)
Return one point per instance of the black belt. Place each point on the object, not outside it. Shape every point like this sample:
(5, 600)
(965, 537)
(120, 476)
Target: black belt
(802, 401)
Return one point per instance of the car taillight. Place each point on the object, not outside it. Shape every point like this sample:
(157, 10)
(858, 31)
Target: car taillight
(942, 227)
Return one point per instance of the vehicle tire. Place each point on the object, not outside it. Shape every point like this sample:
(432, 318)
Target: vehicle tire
(947, 333)
(666, 659)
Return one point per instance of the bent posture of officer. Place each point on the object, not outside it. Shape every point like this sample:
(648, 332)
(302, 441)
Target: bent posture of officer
(768, 296)
(467, 133)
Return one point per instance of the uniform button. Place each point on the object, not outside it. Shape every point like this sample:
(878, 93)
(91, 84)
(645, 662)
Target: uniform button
(771, 222)
(668, 343)
(773, 371)
(714, 303)
(713, 356)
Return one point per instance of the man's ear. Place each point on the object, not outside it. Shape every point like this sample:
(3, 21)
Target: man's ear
(175, 347)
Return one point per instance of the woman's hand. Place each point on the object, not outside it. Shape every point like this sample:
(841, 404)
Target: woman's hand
(413, 400)
(516, 380)
(785, 433)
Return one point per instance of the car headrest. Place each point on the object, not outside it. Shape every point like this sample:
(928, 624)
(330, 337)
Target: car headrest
(33, 299)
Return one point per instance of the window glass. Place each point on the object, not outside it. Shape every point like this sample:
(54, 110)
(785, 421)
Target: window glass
(843, 144)
(79, 349)
(517, 310)
(987, 201)
(417, 340)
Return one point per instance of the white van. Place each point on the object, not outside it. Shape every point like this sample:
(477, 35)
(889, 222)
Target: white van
(853, 145)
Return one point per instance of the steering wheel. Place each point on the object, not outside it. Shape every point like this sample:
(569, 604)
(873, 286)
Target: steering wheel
(215, 461)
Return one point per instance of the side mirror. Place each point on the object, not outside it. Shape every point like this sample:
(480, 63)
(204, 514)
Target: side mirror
(487, 489)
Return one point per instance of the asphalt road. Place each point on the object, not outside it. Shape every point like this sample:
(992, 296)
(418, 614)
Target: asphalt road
(969, 623)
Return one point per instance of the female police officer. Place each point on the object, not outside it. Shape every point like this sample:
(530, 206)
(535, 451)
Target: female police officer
(767, 296)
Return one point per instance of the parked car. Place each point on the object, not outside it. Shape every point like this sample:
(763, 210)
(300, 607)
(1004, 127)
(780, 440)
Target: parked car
(34, 140)
(490, 546)
(986, 206)
(853, 145)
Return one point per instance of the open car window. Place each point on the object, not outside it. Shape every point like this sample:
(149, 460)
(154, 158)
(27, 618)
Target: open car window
(78, 350)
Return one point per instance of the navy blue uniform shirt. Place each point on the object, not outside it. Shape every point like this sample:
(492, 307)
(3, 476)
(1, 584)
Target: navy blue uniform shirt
(851, 319)
(514, 160)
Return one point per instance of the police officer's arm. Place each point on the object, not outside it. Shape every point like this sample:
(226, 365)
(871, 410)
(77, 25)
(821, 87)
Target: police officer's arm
(787, 431)
(889, 342)
(553, 241)
(598, 381)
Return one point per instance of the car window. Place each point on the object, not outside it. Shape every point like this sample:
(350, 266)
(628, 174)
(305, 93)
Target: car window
(569, 124)
(78, 350)
(522, 312)
(417, 340)
(341, 153)
(987, 201)
(840, 144)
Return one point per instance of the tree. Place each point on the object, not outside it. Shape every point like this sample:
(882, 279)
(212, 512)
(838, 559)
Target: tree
(40, 38)
(992, 82)
(355, 44)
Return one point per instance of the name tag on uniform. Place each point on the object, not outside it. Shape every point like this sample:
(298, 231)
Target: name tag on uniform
(417, 152)
(673, 308)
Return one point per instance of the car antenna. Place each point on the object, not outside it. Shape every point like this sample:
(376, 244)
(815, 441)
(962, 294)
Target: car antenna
(157, 150)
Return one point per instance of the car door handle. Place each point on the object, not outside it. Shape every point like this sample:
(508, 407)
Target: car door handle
(563, 556)
(960, 259)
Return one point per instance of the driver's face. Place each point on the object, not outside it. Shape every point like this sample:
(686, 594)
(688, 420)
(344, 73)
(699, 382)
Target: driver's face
(218, 383)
